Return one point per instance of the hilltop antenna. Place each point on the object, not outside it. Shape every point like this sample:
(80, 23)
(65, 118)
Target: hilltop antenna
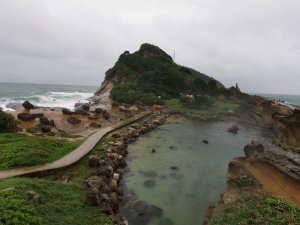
(174, 56)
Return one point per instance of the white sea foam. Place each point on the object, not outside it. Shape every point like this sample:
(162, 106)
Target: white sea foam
(49, 99)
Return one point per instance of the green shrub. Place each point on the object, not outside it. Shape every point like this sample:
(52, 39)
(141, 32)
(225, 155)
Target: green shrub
(59, 204)
(7, 122)
(201, 84)
(31, 130)
(128, 94)
(204, 101)
(258, 209)
(16, 211)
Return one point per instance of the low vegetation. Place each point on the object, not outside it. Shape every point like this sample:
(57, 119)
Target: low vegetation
(285, 147)
(245, 181)
(57, 203)
(199, 102)
(130, 94)
(17, 150)
(7, 122)
(258, 209)
(79, 172)
(14, 209)
(217, 107)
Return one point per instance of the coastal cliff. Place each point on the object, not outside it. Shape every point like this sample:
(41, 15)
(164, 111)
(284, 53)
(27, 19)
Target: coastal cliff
(265, 168)
(282, 119)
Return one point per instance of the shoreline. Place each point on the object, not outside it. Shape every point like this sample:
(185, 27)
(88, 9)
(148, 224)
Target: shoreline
(112, 159)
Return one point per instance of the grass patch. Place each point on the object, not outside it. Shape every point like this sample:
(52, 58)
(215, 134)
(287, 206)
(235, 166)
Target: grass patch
(17, 150)
(80, 171)
(60, 204)
(218, 107)
(258, 209)
(31, 130)
(285, 147)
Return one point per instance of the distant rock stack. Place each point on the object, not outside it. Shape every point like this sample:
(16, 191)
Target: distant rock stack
(28, 105)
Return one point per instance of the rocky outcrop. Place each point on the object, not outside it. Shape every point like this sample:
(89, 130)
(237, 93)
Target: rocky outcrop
(234, 129)
(281, 118)
(28, 105)
(28, 116)
(46, 121)
(102, 96)
(103, 186)
(73, 120)
(95, 125)
(287, 128)
(193, 116)
(265, 167)
(287, 162)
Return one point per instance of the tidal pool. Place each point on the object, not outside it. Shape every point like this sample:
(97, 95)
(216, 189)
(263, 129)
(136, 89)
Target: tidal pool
(184, 175)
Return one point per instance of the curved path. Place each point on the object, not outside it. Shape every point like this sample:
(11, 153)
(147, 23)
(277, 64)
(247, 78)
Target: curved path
(73, 156)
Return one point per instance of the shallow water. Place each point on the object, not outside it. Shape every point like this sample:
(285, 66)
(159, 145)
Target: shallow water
(185, 192)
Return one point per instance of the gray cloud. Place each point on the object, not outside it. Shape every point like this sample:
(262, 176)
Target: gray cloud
(254, 43)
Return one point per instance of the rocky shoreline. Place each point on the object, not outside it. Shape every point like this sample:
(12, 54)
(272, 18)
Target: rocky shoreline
(265, 168)
(103, 188)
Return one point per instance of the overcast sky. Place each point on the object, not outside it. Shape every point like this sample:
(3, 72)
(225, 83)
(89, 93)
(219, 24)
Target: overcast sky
(255, 43)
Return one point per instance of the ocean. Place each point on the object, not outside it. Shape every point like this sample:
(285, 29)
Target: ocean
(50, 95)
(47, 95)
(289, 99)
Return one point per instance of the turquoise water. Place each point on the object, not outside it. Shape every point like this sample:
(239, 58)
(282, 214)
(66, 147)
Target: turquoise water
(290, 99)
(44, 94)
(184, 193)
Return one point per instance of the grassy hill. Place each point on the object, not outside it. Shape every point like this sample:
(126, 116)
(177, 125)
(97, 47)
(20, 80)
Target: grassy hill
(150, 72)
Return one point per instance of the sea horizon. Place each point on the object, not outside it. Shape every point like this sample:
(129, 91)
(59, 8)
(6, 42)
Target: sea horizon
(250, 93)
(63, 95)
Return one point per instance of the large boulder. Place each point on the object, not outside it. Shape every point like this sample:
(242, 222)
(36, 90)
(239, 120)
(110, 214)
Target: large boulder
(73, 120)
(28, 116)
(81, 112)
(234, 129)
(27, 105)
(67, 111)
(106, 115)
(99, 111)
(85, 107)
(93, 161)
(45, 129)
(95, 125)
(82, 109)
(46, 121)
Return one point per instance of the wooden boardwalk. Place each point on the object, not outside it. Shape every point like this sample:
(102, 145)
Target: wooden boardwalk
(73, 156)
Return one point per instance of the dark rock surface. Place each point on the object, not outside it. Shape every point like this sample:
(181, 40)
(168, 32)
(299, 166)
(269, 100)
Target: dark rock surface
(234, 129)
(149, 183)
(73, 120)
(67, 111)
(45, 128)
(28, 116)
(205, 141)
(95, 125)
(27, 105)
(46, 121)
